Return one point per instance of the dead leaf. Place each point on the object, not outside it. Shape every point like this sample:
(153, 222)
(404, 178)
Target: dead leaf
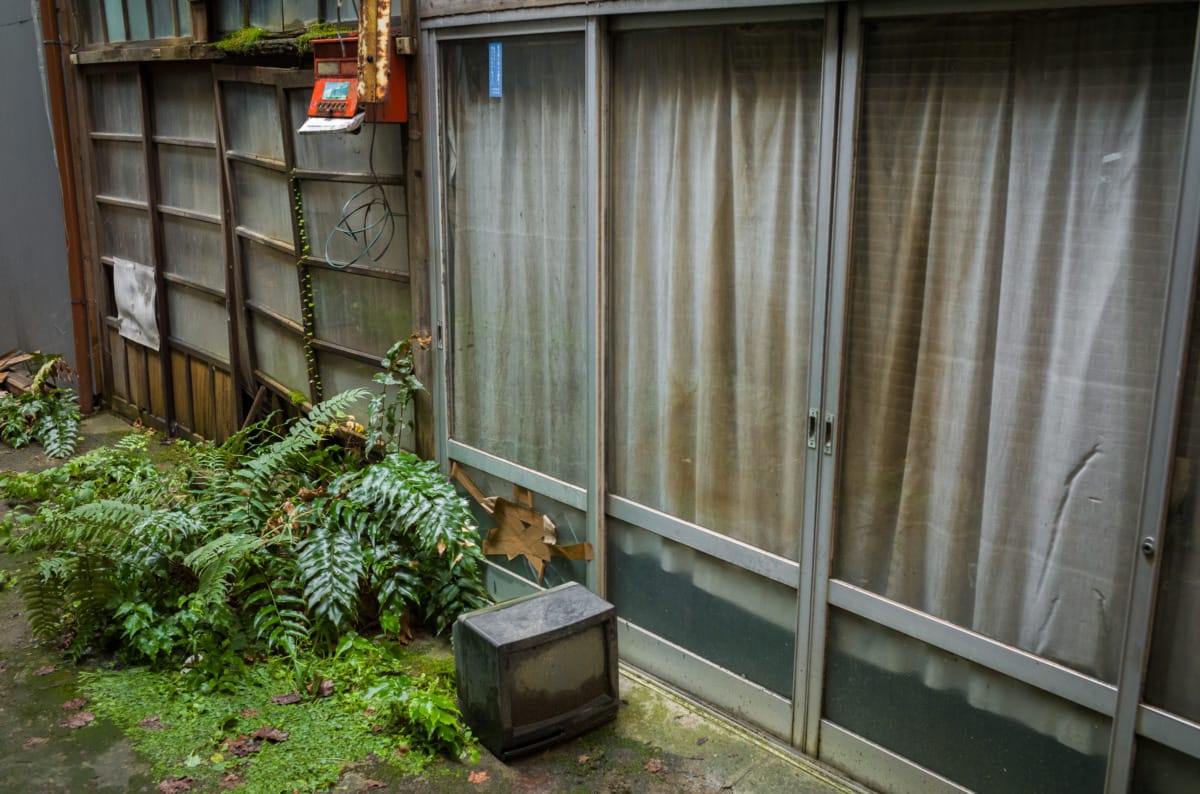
(441, 547)
(242, 746)
(289, 699)
(174, 785)
(324, 690)
(74, 704)
(78, 720)
(153, 724)
(402, 750)
(230, 782)
(249, 713)
(478, 778)
(47, 670)
(34, 741)
(370, 784)
(653, 766)
(271, 734)
(583, 759)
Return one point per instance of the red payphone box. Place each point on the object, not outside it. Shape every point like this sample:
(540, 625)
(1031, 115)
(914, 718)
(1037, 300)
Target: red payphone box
(337, 92)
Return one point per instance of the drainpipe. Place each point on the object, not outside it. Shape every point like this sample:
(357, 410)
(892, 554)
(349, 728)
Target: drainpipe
(57, 89)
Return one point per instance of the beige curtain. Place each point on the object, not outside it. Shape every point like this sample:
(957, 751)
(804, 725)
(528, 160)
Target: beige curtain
(714, 155)
(516, 217)
(1017, 179)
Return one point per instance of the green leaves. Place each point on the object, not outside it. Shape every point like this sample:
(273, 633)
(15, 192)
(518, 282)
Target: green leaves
(331, 565)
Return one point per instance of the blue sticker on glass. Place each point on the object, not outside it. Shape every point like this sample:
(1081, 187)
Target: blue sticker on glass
(495, 68)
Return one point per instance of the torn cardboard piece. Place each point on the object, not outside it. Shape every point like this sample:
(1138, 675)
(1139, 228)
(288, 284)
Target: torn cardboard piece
(520, 530)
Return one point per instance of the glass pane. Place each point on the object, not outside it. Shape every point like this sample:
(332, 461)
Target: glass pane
(360, 312)
(195, 250)
(114, 14)
(263, 201)
(116, 102)
(297, 13)
(1172, 679)
(716, 610)
(120, 169)
(350, 222)
(1161, 770)
(978, 728)
(713, 245)
(139, 20)
(266, 14)
(183, 105)
(1016, 184)
(280, 354)
(185, 18)
(516, 220)
(229, 16)
(189, 179)
(125, 233)
(339, 374)
(92, 22)
(570, 527)
(199, 321)
(164, 19)
(271, 279)
(347, 153)
(252, 120)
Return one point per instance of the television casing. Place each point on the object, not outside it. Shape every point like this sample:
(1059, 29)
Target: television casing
(537, 670)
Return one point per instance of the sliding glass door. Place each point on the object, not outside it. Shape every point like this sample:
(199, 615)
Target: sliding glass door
(834, 345)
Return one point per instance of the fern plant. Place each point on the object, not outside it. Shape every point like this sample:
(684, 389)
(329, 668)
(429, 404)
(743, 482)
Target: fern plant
(46, 413)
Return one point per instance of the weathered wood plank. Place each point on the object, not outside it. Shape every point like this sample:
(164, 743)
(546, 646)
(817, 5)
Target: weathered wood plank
(447, 8)
(155, 383)
(204, 414)
(181, 392)
(224, 404)
(120, 369)
(134, 52)
(139, 391)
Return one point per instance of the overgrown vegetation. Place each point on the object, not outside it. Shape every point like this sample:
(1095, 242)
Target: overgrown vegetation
(47, 413)
(322, 30)
(241, 42)
(258, 562)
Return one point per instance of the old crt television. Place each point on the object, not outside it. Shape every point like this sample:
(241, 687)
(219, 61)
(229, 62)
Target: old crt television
(536, 670)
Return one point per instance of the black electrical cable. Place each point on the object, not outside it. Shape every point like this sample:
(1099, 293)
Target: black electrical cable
(370, 233)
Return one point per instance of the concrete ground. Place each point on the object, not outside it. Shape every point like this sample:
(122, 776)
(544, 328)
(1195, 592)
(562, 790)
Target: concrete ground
(660, 742)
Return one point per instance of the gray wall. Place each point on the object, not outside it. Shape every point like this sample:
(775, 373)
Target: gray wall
(35, 304)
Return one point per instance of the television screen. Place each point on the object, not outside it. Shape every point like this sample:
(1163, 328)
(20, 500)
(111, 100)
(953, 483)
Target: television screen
(537, 670)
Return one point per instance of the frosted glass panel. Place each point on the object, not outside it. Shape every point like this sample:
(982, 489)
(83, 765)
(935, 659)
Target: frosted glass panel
(266, 14)
(739, 621)
(120, 169)
(271, 279)
(164, 21)
(339, 374)
(195, 250)
(200, 321)
(139, 20)
(978, 728)
(364, 313)
(347, 153)
(280, 354)
(189, 179)
(183, 105)
(1161, 770)
(125, 233)
(263, 201)
(252, 119)
(368, 223)
(516, 219)
(116, 102)
(114, 13)
(296, 13)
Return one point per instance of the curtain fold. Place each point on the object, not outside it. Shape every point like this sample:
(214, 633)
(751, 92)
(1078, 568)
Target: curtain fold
(517, 223)
(715, 146)
(1015, 195)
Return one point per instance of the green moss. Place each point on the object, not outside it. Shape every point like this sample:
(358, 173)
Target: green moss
(324, 735)
(241, 42)
(320, 30)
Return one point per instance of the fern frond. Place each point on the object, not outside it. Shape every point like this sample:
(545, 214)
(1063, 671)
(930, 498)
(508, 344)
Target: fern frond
(331, 566)
(216, 561)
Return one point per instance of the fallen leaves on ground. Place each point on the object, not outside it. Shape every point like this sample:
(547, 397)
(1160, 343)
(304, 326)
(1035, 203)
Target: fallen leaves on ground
(478, 778)
(583, 759)
(34, 741)
(324, 690)
(270, 734)
(370, 784)
(288, 699)
(74, 704)
(249, 713)
(153, 724)
(174, 785)
(47, 670)
(230, 782)
(242, 746)
(653, 766)
(402, 750)
(78, 719)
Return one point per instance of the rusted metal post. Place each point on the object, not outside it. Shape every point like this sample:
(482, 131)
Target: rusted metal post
(57, 90)
(374, 38)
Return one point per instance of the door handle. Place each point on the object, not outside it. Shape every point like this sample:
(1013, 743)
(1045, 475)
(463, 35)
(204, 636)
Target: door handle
(814, 419)
(829, 420)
